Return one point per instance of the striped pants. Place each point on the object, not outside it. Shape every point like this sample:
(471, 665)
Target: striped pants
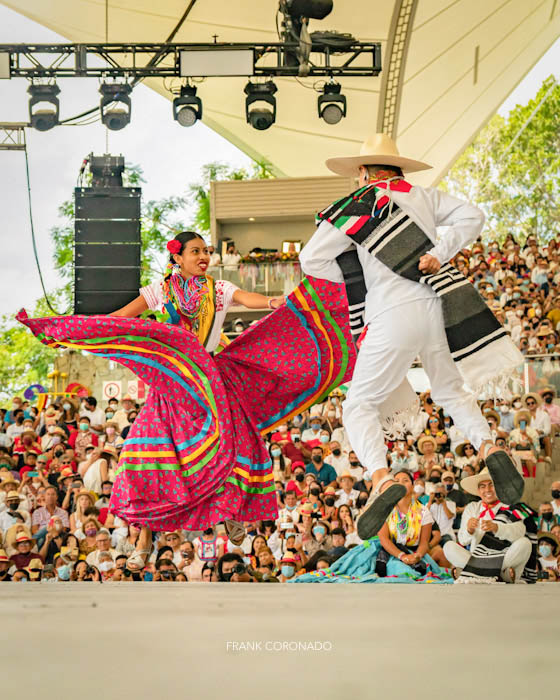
(515, 557)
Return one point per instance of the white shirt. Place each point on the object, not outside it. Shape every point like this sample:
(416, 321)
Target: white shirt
(344, 498)
(231, 261)
(429, 208)
(153, 294)
(555, 507)
(440, 516)
(506, 531)
(541, 421)
(96, 417)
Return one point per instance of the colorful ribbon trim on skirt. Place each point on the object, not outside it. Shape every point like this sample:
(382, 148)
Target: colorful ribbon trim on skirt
(194, 455)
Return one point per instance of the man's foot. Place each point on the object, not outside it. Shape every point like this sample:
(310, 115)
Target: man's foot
(378, 507)
(508, 482)
(235, 532)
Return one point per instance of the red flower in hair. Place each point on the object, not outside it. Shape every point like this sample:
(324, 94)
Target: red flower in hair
(174, 246)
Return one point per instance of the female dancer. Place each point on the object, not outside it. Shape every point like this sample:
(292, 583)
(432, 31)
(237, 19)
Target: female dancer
(194, 456)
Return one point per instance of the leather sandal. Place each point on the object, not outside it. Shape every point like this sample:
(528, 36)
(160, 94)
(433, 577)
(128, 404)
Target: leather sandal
(508, 482)
(235, 532)
(136, 562)
(378, 507)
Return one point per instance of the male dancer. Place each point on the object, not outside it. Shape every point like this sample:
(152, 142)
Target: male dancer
(381, 241)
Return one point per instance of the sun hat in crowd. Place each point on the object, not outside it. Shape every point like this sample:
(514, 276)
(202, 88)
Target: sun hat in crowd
(13, 532)
(12, 495)
(289, 557)
(346, 475)
(423, 440)
(548, 389)
(65, 474)
(470, 483)
(23, 537)
(9, 480)
(111, 450)
(329, 491)
(3, 556)
(306, 509)
(448, 475)
(532, 395)
(494, 415)
(552, 539)
(460, 449)
(523, 414)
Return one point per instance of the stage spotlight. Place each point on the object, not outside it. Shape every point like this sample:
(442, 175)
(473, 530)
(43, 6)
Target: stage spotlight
(331, 104)
(115, 105)
(263, 114)
(43, 106)
(187, 108)
(313, 9)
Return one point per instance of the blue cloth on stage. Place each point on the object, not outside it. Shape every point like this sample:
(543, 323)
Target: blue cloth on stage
(358, 566)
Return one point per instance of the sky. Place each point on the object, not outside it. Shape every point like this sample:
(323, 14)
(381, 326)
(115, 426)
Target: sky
(171, 157)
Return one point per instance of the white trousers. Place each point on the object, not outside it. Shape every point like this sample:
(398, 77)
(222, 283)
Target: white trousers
(515, 557)
(393, 341)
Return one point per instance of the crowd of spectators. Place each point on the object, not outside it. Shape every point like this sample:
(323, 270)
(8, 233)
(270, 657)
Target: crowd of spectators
(57, 466)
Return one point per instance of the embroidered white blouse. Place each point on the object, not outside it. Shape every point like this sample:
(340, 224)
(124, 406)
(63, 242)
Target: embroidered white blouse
(153, 294)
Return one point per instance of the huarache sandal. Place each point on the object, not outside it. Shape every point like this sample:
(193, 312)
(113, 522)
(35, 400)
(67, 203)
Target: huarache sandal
(235, 532)
(136, 562)
(378, 507)
(508, 482)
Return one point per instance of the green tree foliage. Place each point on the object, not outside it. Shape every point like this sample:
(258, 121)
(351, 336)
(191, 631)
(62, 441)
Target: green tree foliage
(512, 169)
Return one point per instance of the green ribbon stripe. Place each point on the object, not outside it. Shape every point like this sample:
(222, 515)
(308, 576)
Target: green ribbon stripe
(251, 489)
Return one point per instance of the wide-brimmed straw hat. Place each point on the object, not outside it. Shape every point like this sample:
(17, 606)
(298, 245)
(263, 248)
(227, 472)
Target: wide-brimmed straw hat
(470, 483)
(522, 414)
(532, 395)
(377, 149)
(551, 539)
(460, 449)
(423, 440)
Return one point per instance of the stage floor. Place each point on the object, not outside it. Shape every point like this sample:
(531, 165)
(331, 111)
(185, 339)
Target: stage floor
(172, 640)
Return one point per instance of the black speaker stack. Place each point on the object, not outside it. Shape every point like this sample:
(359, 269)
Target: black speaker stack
(107, 239)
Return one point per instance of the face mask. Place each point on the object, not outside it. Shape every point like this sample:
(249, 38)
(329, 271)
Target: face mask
(109, 414)
(517, 404)
(315, 492)
(449, 487)
(50, 429)
(239, 329)
(227, 577)
(548, 399)
(276, 452)
(209, 531)
(545, 550)
(354, 463)
(64, 572)
(464, 474)
(91, 532)
(106, 566)
(287, 571)
(84, 426)
(283, 428)
(419, 489)
(324, 439)
(508, 290)
(329, 501)
(555, 493)
(504, 409)
(449, 461)
(299, 477)
(13, 506)
(435, 479)
(113, 407)
(522, 424)
(331, 414)
(56, 440)
(317, 459)
(318, 530)
(58, 527)
(297, 420)
(110, 431)
(337, 451)
(315, 427)
(66, 406)
(548, 516)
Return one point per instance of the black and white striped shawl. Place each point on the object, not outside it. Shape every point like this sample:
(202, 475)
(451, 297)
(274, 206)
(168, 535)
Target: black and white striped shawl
(391, 236)
(487, 558)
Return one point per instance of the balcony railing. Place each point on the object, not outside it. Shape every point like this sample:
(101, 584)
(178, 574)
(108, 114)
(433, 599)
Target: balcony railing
(271, 279)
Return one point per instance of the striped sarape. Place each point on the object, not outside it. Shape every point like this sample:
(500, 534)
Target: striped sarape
(479, 345)
(487, 558)
(194, 456)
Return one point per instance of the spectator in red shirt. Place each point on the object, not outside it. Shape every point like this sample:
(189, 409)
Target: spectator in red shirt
(297, 482)
(83, 437)
(23, 555)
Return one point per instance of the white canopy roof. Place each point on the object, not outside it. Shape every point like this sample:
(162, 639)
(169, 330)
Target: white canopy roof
(447, 66)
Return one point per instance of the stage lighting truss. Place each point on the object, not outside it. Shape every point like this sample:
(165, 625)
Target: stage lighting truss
(331, 105)
(260, 104)
(115, 105)
(187, 108)
(43, 106)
